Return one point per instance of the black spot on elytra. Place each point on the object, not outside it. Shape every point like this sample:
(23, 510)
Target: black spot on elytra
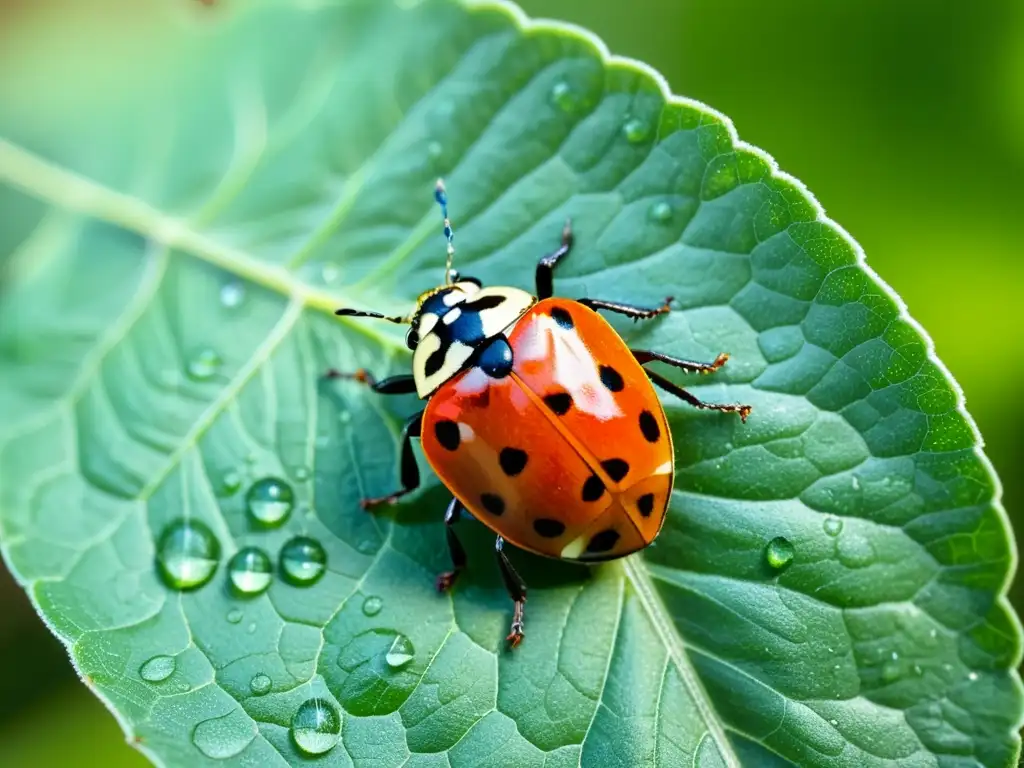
(548, 528)
(562, 317)
(447, 433)
(592, 488)
(649, 426)
(616, 468)
(603, 541)
(559, 402)
(435, 361)
(645, 504)
(512, 460)
(493, 503)
(611, 378)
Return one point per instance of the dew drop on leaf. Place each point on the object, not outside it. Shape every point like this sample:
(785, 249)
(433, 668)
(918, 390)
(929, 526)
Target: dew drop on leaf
(316, 726)
(636, 131)
(562, 96)
(303, 561)
(270, 501)
(660, 212)
(232, 294)
(972, 676)
(833, 526)
(226, 736)
(400, 653)
(855, 551)
(230, 483)
(234, 616)
(250, 571)
(157, 668)
(260, 684)
(372, 605)
(435, 150)
(187, 554)
(300, 473)
(204, 365)
(779, 552)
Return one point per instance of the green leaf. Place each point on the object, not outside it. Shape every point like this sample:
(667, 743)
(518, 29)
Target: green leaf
(189, 193)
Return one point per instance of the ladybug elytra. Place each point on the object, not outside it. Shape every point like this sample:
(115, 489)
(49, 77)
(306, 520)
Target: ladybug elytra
(539, 418)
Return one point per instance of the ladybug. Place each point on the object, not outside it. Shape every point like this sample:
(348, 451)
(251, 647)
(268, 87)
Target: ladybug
(539, 418)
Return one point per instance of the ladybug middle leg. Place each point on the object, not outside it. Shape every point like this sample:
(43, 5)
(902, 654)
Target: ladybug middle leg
(516, 588)
(690, 366)
(458, 554)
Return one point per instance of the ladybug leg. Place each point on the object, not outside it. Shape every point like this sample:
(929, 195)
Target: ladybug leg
(636, 313)
(643, 356)
(516, 590)
(410, 472)
(458, 554)
(546, 266)
(393, 385)
(696, 402)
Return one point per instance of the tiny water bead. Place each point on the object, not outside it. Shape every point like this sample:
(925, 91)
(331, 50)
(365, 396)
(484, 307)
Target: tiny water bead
(204, 365)
(270, 501)
(187, 554)
(300, 473)
(660, 213)
(779, 552)
(234, 616)
(302, 561)
(833, 526)
(232, 294)
(157, 669)
(230, 483)
(260, 684)
(636, 131)
(562, 96)
(250, 571)
(316, 726)
(372, 605)
(400, 653)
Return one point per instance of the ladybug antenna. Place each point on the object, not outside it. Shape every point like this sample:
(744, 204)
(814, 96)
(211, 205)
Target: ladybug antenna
(441, 195)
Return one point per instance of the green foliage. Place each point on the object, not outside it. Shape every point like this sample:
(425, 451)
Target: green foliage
(827, 589)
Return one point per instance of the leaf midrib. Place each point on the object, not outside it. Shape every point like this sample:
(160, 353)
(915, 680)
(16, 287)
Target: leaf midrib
(60, 187)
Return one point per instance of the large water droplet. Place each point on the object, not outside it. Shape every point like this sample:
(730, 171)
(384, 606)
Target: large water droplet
(157, 669)
(636, 131)
(187, 554)
(226, 736)
(833, 526)
(303, 561)
(232, 294)
(260, 684)
(563, 97)
(316, 726)
(400, 653)
(660, 212)
(204, 365)
(372, 605)
(270, 501)
(250, 571)
(779, 552)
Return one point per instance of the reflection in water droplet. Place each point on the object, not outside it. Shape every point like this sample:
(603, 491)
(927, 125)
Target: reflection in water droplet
(250, 571)
(204, 366)
(260, 684)
(660, 212)
(372, 605)
(779, 552)
(222, 737)
(303, 561)
(234, 616)
(562, 96)
(157, 668)
(400, 653)
(316, 726)
(636, 131)
(833, 526)
(232, 294)
(270, 501)
(187, 554)
(230, 483)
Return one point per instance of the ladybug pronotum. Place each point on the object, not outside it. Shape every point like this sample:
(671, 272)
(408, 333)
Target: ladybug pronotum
(539, 419)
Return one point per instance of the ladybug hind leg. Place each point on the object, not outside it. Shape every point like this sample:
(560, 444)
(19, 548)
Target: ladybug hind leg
(516, 588)
(458, 554)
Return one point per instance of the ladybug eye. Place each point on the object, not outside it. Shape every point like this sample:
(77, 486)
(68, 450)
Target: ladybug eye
(412, 338)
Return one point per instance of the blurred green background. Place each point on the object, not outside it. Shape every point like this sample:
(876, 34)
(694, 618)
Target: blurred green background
(906, 120)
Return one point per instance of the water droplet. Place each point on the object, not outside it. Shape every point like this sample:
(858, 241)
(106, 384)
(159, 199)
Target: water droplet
(316, 726)
(890, 672)
(833, 526)
(232, 294)
(400, 653)
(303, 561)
(204, 365)
(300, 473)
(833, 722)
(187, 554)
(972, 676)
(260, 684)
(234, 616)
(855, 551)
(933, 633)
(435, 150)
(251, 459)
(157, 669)
(250, 571)
(367, 546)
(345, 417)
(225, 736)
(230, 483)
(372, 605)
(251, 629)
(895, 656)
(563, 97)
(918, 670)
(660, 212)
(330, 273)
(855, 482)
(636, 131)
(270, 501)
(779, 552)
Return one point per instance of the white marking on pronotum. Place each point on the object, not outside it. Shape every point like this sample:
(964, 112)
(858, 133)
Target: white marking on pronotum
(451, 316)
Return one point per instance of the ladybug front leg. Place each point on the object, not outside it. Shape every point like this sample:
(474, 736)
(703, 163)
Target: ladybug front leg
(629, 310)
(545, 276)
(458, 554)
(516, 588)
(394, 385)
(410, 472)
